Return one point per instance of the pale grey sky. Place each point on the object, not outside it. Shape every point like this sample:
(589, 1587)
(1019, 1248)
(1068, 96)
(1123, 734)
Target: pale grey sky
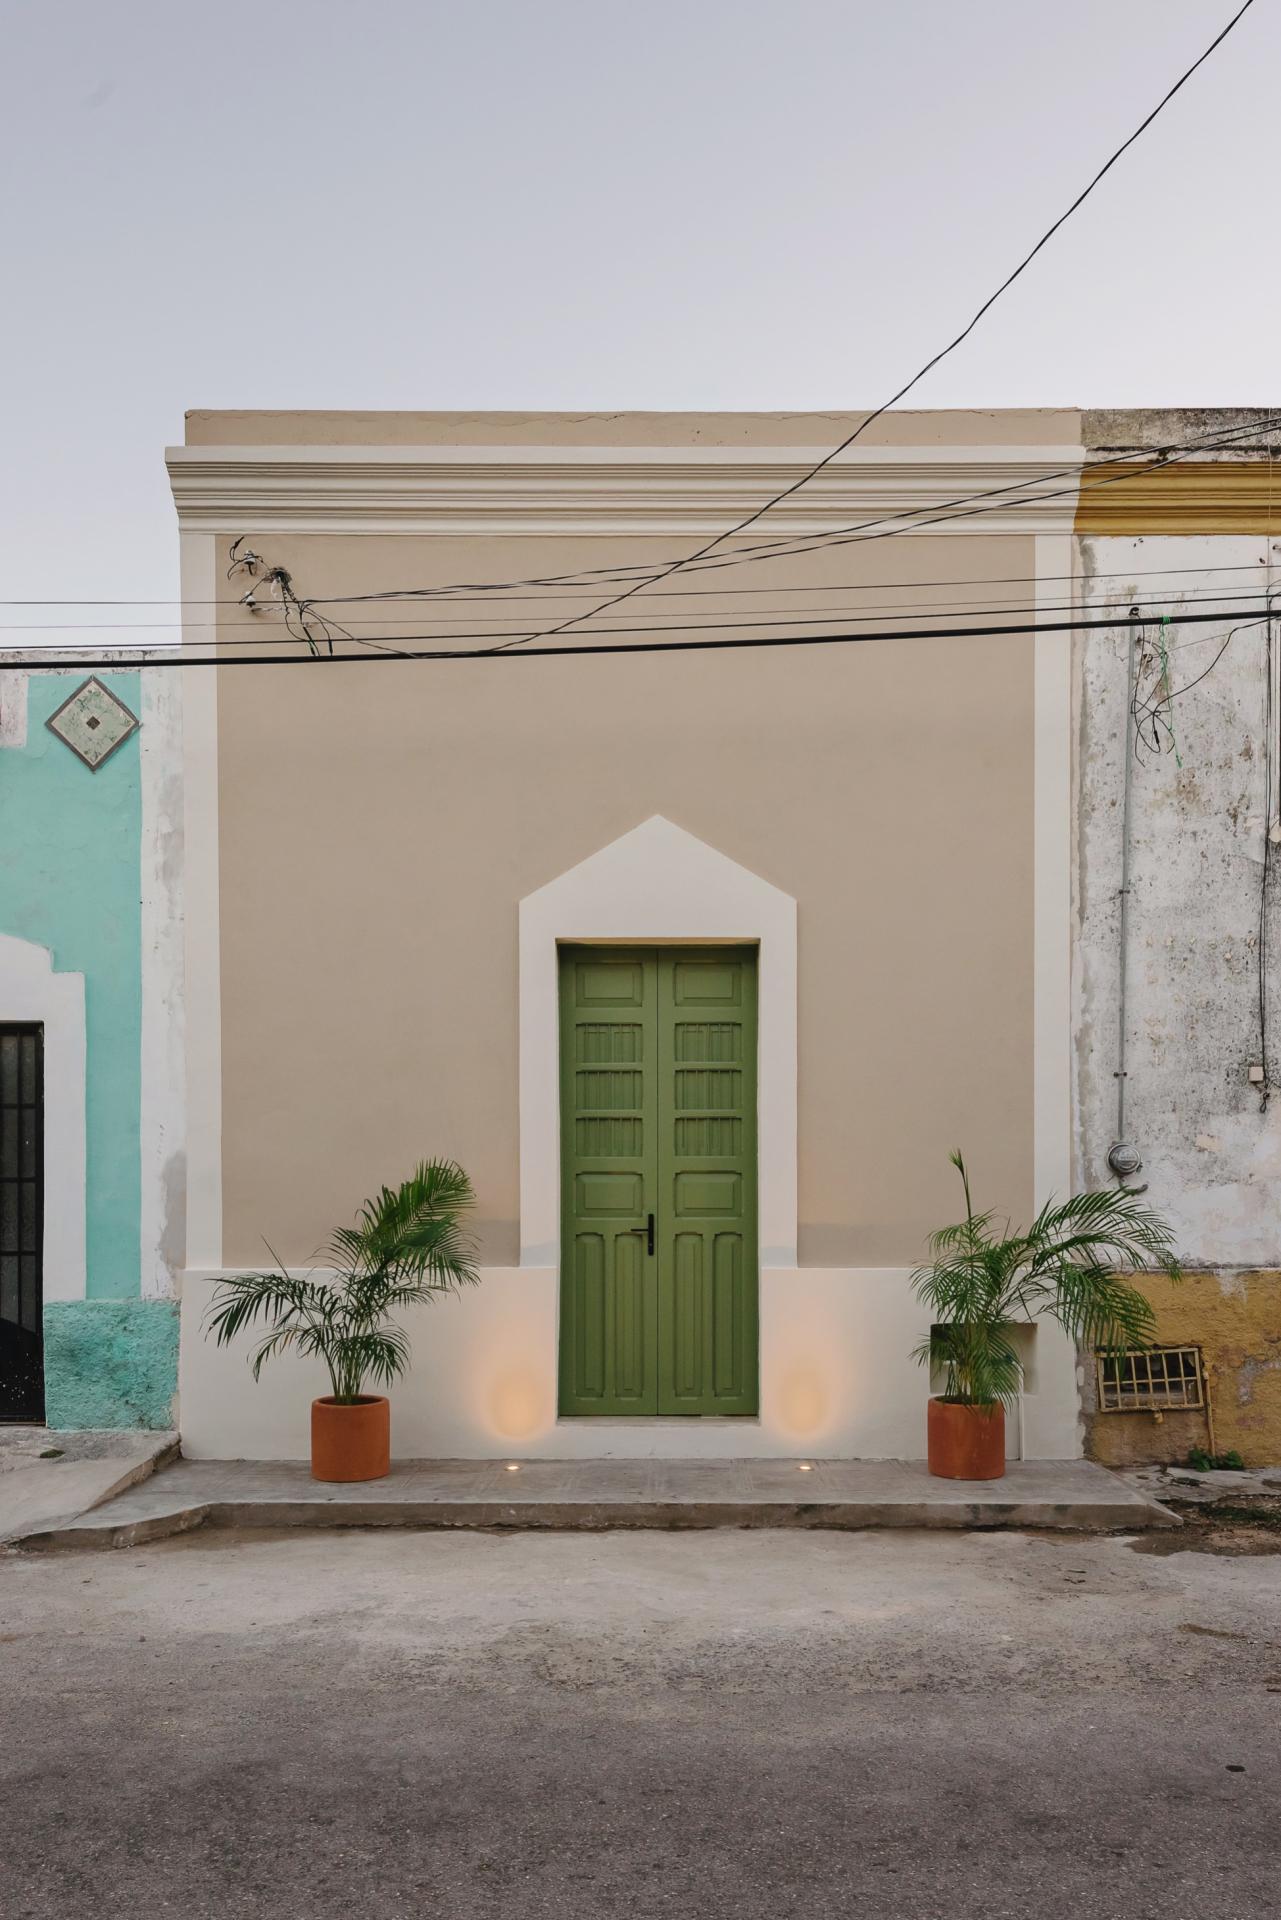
(598, 204)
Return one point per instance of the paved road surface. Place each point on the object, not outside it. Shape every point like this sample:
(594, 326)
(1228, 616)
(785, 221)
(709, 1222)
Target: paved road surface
(724, 1724)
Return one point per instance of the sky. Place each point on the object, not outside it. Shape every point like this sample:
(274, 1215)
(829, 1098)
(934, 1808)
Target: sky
(596, 204)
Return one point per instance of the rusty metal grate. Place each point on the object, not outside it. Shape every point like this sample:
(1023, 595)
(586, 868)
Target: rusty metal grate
(1150, 1380)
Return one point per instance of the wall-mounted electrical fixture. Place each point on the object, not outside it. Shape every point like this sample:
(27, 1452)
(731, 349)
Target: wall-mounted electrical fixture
(1255, 1073)
(1124, 1160)
(242, 562)
(276, 583)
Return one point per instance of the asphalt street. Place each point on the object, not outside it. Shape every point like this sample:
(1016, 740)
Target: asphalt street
(772, 1724)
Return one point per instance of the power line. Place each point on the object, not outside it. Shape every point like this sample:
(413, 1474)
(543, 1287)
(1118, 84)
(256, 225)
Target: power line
(905, 520)
(684, 593)
(941, 355)
(677, 625)
(910, 520)
(902, 522)
(896, 524)
(563, 585)
(175, 658)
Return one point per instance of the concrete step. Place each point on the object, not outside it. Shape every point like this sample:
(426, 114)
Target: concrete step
(592, 1495)
(49, 1478)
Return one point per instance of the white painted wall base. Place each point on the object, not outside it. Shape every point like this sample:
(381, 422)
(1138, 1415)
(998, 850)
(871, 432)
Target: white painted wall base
(837, 1382)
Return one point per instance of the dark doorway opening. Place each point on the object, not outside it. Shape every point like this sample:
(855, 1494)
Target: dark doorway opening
(21, 1222)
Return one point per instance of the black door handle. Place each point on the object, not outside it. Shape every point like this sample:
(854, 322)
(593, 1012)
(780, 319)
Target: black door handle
(647, 1230)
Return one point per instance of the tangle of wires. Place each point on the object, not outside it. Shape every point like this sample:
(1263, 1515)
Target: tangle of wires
(1152, 697)
(302, 619)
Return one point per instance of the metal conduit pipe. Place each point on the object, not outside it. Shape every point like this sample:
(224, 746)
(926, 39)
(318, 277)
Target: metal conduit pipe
(1123, 1158)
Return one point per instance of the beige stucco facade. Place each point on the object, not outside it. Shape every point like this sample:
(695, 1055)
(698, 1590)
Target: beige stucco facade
(379, 826)
(361, 838)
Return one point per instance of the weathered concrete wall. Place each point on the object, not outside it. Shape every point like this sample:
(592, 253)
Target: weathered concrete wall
(1209, 1140)
(1211, 1158)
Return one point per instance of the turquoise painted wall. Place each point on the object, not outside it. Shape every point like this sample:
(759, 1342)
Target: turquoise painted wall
(110, 1363)
(70, 880)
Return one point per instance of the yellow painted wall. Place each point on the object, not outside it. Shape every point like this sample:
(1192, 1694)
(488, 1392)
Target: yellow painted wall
(1196, 496)
(1235, 1318)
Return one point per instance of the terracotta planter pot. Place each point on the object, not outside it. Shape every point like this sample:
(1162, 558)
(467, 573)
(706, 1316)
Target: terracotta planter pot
(351, 1442)
(966, 1443)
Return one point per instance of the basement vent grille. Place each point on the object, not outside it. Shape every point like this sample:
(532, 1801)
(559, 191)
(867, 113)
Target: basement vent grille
(1149, 1380)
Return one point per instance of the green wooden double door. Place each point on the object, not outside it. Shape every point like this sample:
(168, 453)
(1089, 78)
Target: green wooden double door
(658, 1287)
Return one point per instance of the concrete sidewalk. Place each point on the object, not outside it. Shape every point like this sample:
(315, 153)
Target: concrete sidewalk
(49, 1478)
(591, 1495)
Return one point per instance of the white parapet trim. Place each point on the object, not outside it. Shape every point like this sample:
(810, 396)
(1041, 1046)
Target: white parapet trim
(613, 491)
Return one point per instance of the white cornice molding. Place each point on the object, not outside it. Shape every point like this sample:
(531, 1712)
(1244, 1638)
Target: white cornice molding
(611, 490)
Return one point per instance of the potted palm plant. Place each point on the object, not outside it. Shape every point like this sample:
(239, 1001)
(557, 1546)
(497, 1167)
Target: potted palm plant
(982, 1280)
(406, 1247)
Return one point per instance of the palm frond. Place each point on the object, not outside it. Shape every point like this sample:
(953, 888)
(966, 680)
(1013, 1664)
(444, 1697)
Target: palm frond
(406, 1247)
(1070, 1264)
(241, 1300)
(1111, 1220)
(1100, 1308)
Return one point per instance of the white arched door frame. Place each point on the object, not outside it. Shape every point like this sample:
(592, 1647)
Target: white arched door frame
(653, 885)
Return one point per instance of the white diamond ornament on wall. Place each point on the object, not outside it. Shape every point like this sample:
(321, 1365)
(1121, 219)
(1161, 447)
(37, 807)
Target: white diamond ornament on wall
(93, 723)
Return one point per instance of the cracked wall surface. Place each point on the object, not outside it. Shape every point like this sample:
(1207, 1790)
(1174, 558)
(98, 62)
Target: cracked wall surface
(1235, 1319)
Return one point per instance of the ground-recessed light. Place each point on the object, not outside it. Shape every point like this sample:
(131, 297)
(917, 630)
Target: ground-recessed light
(513, 1466)
(805, 1466)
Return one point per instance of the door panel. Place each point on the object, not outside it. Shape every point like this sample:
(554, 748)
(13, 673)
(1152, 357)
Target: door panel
(707, 1271)
(658, 1118)
(609, 1093)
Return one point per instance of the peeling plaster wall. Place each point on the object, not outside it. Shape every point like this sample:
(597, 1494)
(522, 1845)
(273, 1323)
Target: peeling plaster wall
(1236, 1320)
(1212, 1161)
(1211, 1158)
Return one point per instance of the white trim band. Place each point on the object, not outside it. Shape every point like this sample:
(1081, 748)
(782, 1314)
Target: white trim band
(615, 490)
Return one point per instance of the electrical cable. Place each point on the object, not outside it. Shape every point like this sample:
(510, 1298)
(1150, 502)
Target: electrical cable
(904, 521)
(175, 658)
(943, 352)
(1217, 440)
(684, 593)
(901, 521)
(959, 609)
(559, 586)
